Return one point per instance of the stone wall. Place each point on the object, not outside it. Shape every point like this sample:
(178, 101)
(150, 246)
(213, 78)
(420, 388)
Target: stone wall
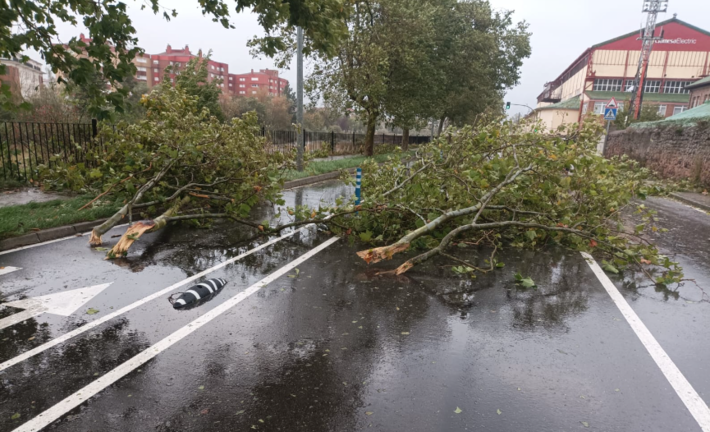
(672, 151)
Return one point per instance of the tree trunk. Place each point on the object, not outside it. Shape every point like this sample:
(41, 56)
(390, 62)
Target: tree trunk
(136, 230)
(370, 134)
(441, 125)
(405, 139)
(97, 232)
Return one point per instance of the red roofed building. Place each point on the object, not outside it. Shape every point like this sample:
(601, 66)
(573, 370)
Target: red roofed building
(151, 70)
(608, 69)
(265, 81)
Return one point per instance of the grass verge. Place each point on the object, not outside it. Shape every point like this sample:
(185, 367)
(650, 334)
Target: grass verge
(22, 219)
(25, 218)
(322, 167)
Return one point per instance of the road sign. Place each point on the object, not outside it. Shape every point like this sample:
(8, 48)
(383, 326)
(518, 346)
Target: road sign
(61, 303)
(610, 114)
(612, 104)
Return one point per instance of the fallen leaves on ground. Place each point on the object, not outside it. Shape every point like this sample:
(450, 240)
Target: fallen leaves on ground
(458, 410)
(92, 311)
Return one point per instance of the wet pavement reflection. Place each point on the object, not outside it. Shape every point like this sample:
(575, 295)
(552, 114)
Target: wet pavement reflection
(338, 346)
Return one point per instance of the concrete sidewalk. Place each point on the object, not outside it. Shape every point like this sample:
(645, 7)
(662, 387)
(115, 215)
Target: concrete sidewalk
(695, 199)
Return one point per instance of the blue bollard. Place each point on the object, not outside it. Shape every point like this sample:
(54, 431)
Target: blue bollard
(358, 183)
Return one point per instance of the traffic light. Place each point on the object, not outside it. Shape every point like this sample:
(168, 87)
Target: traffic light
(507, 105)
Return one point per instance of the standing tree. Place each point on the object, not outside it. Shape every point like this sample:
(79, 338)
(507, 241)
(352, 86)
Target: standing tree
(292, 102)
(113, 44)
(358, 77)
(480, 54)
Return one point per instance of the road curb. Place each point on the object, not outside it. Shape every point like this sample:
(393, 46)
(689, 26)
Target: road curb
(48, 234)
(691, 202)
(82, 227)
(315, 179)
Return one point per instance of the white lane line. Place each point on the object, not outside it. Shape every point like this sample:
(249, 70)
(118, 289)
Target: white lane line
(76, 399)
(695, 404)
(53, 241)
(8, 270)
(144, 300)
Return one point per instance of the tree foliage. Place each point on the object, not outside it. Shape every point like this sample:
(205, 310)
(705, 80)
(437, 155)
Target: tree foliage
(194, 80)
(26, 24)
(481, 56)
(410, 60)
(178, 163)
(648, 113)
(503, 185)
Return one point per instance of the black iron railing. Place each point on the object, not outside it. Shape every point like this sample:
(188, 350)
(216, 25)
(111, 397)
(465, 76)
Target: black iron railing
(24, 146)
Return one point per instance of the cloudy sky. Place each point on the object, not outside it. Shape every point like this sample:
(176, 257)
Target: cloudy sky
(561, 29)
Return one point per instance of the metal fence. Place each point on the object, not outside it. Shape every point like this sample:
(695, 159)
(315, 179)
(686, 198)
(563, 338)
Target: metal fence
(24, 146)
(334, 142)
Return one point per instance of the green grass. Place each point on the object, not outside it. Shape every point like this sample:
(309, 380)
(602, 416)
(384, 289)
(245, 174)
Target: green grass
(21, 219)
(25, 218)
(322, 167)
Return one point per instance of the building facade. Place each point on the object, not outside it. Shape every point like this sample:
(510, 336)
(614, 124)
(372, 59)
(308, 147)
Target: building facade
(699, 92)
(151, 69)
(25, 78)
(608, 70)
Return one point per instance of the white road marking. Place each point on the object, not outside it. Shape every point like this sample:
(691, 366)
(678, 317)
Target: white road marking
(53, 241)
(62, 303)
(8, 270)
(695, 404)
(93, 324)
(76, 399)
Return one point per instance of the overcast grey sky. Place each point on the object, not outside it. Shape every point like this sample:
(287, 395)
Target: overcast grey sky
(561, 29)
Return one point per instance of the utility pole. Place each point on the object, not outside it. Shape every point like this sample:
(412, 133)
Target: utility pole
(653, 8)
(299, 98)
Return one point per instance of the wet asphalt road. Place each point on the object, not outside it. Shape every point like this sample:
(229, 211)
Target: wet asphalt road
(334, 346)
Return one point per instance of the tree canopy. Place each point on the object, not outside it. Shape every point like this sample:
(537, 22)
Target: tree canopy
(410, 60)
(26, 24)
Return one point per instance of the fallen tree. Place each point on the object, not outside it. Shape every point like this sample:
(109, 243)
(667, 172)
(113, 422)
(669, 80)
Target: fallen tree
(506, 185)
(179, 163)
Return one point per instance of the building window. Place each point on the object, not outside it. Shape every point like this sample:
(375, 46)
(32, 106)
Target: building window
(140, 69)
(675, 87)
(253, 92)
(155, 70)
(678, 109)
(141, 60)
(254, 79)
(142, 78)
(230, 78)
(255, 85)
(230, 84)
(599, 107)
(607, 85)
(241, 85)
(156, 62)
(651, 86)
(241, 92)
(662, 110)
(156, 79)
(221, 85)
(241, 79)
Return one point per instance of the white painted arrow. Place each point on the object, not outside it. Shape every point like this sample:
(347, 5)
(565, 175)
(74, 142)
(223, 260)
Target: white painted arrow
(63, 303)
(8, 269)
